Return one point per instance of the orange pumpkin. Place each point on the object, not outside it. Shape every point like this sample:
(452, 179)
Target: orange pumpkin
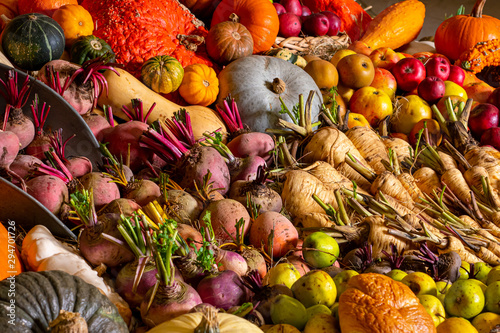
(47, 7)
(201, 8)
(10, 263)
(376, 303)
(200, 85)
(9, 9)
(462, 32)
(75, 20)
(258, 16)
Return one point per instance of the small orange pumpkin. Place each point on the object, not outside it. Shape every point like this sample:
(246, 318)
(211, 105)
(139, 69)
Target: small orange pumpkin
(47, 7)
(10, 263)
(75, 20)
(9, 9)
(200, 85)
(462, 32)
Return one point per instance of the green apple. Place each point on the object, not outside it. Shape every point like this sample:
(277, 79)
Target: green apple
(464, 299)
(492, 297)
(341, 280)
(322, 250)
(397, 274)
(434, 308)
(464, 270)
(442, 288)
(315, 287)
(481, 270)
(420, 283)
(318, 308)
(486, 321)
(493, 276)
(288, 310)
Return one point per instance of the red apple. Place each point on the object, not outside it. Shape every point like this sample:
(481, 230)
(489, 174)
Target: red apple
(305, 11)
(292, 6)
(494, 98)
(457, 75)
(334, 21)
(409, 72)
(385, 81)
(431, 89)
(491, 137)
(289, 25)
(316, 25)
(279, 8)
(438, 66)
(482, 117)
(384, 57)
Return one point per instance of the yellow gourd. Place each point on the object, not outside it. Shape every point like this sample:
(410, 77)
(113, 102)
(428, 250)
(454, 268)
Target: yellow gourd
(396, 25)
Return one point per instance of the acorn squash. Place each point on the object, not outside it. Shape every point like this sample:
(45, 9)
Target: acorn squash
(30, 41)
(163, 74)
(88, 48)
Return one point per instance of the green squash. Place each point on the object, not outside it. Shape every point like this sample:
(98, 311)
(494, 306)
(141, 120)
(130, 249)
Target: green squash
(162, 74)
(37, 298)
(30, 41)
(89, 47)
(288, 56)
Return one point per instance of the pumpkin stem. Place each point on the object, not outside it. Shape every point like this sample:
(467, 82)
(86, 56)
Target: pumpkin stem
(477, 10)
(5, 19)
(209, 322)
(234, 18)
(68, 322)
(279, 86)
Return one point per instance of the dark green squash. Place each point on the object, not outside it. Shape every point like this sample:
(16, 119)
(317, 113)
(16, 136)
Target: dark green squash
(30, 41)
(163, 74)
(39, 296)
(88, 48)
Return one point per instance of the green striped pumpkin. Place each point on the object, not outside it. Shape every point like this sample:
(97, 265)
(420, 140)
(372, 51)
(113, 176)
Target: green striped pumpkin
(30, 41)
(288, 56)
(162, 74)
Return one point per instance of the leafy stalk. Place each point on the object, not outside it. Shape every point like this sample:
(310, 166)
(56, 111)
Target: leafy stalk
(82, 203)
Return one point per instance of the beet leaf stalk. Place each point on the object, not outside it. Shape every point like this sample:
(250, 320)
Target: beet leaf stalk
(231, 116)
(55, 168)
(14, 96)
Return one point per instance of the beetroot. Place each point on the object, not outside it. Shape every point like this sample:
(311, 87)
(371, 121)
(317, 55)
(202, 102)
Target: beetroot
(104, 189)
(41, 142)
(142, 191)
(182, 206)
(24, 165)
(125, 281)
(97, 124)
(224, 214)
(77, 166)
(223, 290)
(14, 119)
(120, 206)
(50, 191)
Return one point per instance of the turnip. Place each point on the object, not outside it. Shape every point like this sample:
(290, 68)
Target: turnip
(14, 119)
(100, 240)
(41, 142)
(255, 261)
(240, 168)
(169, 297)
(223, 290)
(244, 143)
(173, 141)
(258, 192)
(103, 188)
(229, 260)
(123, 139)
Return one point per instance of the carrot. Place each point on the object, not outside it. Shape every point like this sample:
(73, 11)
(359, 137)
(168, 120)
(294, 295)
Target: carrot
(454, 244)
(399, 146)
(488, 158)
(298, 190)
(448, 161)
(370, 146)
(427, 181)
(455, 181)
(388, 184)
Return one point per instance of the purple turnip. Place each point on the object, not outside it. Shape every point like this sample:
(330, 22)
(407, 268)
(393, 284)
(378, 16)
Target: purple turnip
(244, 143)
(223, 290)
(174, 142)
(229, 260)
(100, 240)
(14, 119)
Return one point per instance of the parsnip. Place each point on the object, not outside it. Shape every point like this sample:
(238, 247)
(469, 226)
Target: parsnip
(388, 184)
(369, 146)
(410, 184)
(427, 181)
(454, 244)
(399, 146)
(488, 158)
(327, 174)
(448, 161)
(473, 177)
(41, 251)
(455, 181)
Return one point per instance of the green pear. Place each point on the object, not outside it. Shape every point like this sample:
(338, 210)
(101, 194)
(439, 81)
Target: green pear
(397, 274)
(341, 280)
(464, 270)
(288, 310)
(320, 250)
(464, 299)
(315, 287)
(318, 308)
(493, 276)
(481, 270)
(492, 297)
(442, 288)
(434, 308)
(485, 322)
(420, 283)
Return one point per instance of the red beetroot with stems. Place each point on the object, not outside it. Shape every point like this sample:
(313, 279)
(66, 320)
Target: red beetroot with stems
(104, 190)
(14, 119)
(41, 142)
(78, 166)
(100, 241)
(243, 142)
(174, 142)
(123, 139)
(25, 165)
(98, 124)
(9, 146)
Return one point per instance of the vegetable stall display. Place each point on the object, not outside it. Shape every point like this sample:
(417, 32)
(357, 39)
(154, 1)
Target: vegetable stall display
(243, 183)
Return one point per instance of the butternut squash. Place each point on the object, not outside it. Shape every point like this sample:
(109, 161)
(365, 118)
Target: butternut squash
(396, 25)
(122, 89)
